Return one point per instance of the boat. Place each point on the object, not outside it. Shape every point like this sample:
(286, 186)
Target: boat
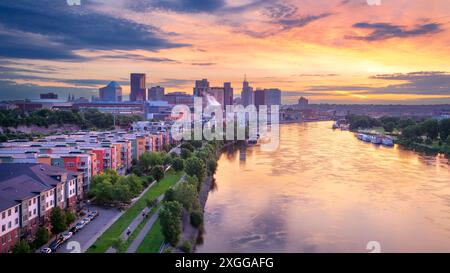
(336, 125)
(387, 141)
(360, 136)
(367, 138)
(376, 140)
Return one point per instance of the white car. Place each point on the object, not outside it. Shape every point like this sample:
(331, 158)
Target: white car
(80, 225)
(46, 250)
(67, 235)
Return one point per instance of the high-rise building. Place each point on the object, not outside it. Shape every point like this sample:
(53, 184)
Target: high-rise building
(273, 96)
(218, 94)
(267, 97)
(156, 93)
(259, 97)
(49, 96)
(247, 93)
(303, 102)
(201, 86)
(227, 94)
(138, 87)
(111, 92)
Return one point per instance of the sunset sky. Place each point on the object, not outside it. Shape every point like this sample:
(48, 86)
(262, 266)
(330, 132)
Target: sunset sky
(331, 51)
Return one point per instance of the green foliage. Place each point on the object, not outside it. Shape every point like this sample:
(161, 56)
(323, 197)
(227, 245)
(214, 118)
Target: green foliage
(192, 180)
(186, 247)
(42, 237)
(430, 128)
(444, 129)
(196, 218)
(188, 146)
(70, 217)
(196, 167)
(169, 195)
(186, 194)
(58, 220)
(148, 160)
(22, 247)
(151, 202)
(212, 166)
(185, 153)
(197, 144)
(119, 245)
(167, 160)
(157, 172)
(170, 216)
(389, 127)
(110, 187)
(362, 122)
(178, 164)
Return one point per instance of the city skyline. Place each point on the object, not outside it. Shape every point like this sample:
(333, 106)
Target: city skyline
(329, 51)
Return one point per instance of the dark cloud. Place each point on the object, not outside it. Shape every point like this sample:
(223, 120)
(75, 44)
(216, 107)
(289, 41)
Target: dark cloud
(203, 64)
(10, 90)
(300, 21)
(383, 31)
(185, 6)
(174, 83)
(48, 29)
(130, 56)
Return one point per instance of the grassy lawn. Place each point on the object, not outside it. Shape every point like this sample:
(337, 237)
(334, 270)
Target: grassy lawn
(153, 240)
(115, 230)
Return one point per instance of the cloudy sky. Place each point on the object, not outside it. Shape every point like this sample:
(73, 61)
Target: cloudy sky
(339, 51)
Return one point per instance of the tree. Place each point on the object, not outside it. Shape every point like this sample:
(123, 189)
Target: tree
(389, 127)
(195, 166)
(196, 218)
(448, 140)
(101, 188)
(157, 172)
(167, 160)
(185, 153)
(58, 220)
(151, 203)
(170, 217)
(122, 192)
(169, 195)
(188, 146)
(410, 133)
(148, 160)
(212, 166)
(192, 180)
(430, 128)
(22, 247)
(197, 144)
(186, 194)
(42, 237)
(444, 129)
(119, 245)
(178, 164)
(70, 217)
(135, 184)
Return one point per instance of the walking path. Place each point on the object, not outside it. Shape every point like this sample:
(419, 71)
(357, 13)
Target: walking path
(138, 240)
(136, 221)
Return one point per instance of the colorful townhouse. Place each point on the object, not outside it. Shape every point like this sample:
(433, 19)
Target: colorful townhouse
(28, 194)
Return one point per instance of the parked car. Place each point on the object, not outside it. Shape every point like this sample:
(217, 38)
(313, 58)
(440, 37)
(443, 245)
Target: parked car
(80, 225)
(46, 250)
(94, 213)
(74, 229)
(86, 220)
(55, 245)
(67, 235)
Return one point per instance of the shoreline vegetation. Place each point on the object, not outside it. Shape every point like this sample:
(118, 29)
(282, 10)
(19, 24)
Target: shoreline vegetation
(419, 134)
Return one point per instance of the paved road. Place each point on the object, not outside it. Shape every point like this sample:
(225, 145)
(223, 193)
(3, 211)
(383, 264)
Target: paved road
(89, 234)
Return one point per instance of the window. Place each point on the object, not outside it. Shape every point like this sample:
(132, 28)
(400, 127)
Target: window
(29, 214)
(29, 203)
(34, 200)
(34, 212)
(9, 224)
(9, 212)
(3, 215)
(16, 209)
(3, 228)
(17, 221)
(51, 202)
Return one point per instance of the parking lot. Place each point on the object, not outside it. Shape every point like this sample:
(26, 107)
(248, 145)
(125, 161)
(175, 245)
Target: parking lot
(87, 235)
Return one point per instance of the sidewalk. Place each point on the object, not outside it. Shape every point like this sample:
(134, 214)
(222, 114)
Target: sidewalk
(136, 221)
(138, 240)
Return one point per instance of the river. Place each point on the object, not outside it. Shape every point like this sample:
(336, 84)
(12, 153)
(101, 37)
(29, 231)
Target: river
(326, 191)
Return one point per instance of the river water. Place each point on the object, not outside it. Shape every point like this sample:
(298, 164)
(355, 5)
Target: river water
(326, 191)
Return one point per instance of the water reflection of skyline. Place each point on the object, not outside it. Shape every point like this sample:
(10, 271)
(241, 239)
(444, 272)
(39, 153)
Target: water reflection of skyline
(327, 191)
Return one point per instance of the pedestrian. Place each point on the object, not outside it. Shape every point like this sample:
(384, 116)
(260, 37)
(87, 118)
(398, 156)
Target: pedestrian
(128, 231)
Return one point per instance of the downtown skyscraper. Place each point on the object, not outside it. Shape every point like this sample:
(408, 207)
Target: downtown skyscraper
(138, 87)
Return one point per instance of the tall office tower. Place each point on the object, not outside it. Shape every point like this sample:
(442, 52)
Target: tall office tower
(272, 96)
(227, 94)
(259, 97)
(111, 92)
(156, 93)
(218, 94)
(138, 88)
(201, 87)
(247, 93)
